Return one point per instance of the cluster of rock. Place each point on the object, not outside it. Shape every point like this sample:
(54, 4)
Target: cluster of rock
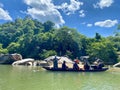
(16, 59)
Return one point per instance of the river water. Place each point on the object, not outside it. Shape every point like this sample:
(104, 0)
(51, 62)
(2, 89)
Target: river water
(36, 78)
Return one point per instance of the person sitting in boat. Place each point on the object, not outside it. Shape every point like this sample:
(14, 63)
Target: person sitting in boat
(64, 66)
(75, 66)
(86, 64)
(77, 60)
(99, 64)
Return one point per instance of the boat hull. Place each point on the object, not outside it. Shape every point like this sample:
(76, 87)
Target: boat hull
(72, 70)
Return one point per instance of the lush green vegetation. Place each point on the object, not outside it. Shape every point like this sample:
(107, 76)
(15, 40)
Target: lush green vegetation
(34, 39)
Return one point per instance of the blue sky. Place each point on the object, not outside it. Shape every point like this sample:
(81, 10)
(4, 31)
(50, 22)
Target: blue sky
(87, 16)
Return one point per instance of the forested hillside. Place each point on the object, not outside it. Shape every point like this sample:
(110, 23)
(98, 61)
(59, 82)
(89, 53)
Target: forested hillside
(34, 39)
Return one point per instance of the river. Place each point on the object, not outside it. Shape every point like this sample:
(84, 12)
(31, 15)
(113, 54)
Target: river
(36, 78)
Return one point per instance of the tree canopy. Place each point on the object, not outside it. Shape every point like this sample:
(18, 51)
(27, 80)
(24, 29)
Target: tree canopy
(34, 39)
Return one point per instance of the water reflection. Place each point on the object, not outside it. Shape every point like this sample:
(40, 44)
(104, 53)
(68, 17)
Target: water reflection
(36, 78)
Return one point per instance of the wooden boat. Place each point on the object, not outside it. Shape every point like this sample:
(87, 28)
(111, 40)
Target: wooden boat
(72, 70)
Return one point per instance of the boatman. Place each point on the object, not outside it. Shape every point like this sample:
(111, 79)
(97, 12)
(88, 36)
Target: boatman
(55, 62)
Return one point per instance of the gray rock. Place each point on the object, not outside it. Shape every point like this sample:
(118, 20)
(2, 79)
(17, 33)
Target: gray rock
(9, 58)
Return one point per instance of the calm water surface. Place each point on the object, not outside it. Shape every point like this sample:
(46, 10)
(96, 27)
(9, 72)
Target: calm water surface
(36, 78)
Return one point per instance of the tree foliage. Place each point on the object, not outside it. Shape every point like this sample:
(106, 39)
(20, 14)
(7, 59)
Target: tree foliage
(34, 39)
(2, 50)
(103, 50)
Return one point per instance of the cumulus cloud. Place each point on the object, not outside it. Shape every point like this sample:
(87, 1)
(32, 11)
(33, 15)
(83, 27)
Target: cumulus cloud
(44, 10)
(103, 3)
(4, 15)
(82, 13)
(70, 8)
(89, 25)
(106, 23)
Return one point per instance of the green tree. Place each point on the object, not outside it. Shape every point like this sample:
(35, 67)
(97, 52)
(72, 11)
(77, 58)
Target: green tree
(46, 53)
(116, 41)
(65, 42)
(98, 37)
(48, 26)
(104, 50)
(13, 47)
(2, 50)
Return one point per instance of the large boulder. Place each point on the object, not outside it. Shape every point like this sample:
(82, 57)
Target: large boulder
(60, 59)
(27, 61)
(9, 58)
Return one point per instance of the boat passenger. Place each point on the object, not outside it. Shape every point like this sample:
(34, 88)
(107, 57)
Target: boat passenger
(77, 60)
(86, 64)
(98, 64)
(55, 62)
(64, 66)
(75, 66)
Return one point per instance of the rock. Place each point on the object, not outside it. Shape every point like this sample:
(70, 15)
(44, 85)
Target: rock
(60, 59)
(9, 58)
(116, 65)
(41, 63)
(27, 61)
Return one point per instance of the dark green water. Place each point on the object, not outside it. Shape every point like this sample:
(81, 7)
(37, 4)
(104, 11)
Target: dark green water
(35, 78)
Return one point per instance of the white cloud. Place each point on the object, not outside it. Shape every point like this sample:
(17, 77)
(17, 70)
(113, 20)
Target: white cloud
(103, 3)
(4, 15)
(82, 13)
(89, 25)
(72, 7)
(107, 23)
(44, 10)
